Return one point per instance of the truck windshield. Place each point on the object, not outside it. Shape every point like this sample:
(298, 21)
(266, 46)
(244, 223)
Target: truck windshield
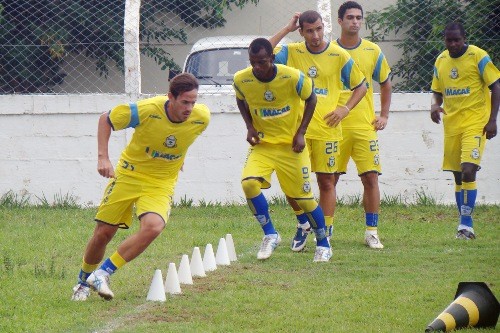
(218, 66)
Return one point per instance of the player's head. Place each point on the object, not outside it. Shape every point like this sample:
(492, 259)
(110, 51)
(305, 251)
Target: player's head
(454, 38)
(182, 95)
(350, 17)
(261, 57)
(311, 28)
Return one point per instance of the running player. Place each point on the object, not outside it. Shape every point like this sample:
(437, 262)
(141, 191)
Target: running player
(270, 99)
(145, 177)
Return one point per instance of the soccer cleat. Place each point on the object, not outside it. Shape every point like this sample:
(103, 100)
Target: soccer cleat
(373, 242)
(322, 254)
(80, 292)
(101, 285)
(299, 241)
(465, 234)
(269, 243)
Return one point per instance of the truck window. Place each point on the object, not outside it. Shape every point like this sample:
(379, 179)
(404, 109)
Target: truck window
(217, 66)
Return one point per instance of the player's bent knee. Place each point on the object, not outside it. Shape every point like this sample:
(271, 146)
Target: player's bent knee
(307, 205)
(251, 187)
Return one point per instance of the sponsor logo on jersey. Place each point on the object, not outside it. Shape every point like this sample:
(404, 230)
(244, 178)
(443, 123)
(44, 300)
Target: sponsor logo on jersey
(457, 91)
(268, 96)
(321, 91)
(285, 76)
(274, 113)
(198, 122)
(170, 142)
(369, 49)
(333, 54)
(312, 72)
(454, 73)
(165, 156)
(155, 116)
(247, 80)
(299, 51)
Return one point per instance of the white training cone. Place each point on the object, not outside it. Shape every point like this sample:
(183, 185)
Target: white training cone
(209, 259)
(222, 258)
(231, 251)
(185, 271)
(172, 285)
(197, 264)
(157, 291)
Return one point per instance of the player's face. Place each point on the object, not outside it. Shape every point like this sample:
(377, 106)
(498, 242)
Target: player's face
(262, 64)
(313, 34)
(454, 42)
(180, 108)
(351, 23)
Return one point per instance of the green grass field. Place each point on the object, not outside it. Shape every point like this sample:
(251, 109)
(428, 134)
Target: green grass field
(399, 289)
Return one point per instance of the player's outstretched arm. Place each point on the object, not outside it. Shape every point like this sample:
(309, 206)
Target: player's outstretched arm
(104, 166)
(290, 27)
(491, 126)
(436, 109)
(380, 122)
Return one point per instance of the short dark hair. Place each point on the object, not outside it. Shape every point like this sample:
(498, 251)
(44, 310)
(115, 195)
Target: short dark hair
(349, 5)
(454, 26)
(309, 16)
(260, 43)
(182, 83)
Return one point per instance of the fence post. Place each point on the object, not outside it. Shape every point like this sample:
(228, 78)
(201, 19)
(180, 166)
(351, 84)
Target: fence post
(131, 57)
(325, 9)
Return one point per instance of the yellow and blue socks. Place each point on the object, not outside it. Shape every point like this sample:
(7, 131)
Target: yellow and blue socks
(302, 219)
(260, 207)
(317, 220)
(468, 201)
(110, 265)
(371, 220)
(85, 271)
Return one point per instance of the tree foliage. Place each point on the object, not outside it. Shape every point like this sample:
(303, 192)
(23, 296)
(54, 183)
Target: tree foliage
(420, 23)
(36, 36)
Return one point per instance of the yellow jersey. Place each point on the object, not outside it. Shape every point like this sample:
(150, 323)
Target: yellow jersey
(276, 106)
(331, 70)
(373, 64)
(463, 82)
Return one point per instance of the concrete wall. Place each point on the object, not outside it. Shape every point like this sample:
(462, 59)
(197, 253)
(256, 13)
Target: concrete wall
(49, 149)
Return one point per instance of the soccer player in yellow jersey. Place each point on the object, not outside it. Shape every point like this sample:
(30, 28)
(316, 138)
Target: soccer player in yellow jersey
(144, 178)
(270, 99)
(463, 77)
(360, 126)
(331, 69)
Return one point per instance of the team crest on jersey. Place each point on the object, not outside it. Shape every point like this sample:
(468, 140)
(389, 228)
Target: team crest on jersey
(170, 142)
(475, 153)
(376, 159)
(454, 73)
(306, 187)
(268, 96)
(312, 72)
(331, 161)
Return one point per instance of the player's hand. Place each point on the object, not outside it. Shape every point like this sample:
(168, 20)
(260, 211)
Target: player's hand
(379, 123)
(490, 129)
(436, 111)
(299, 143)
(335, 117)
(294, 22)
(105, 168)
(253, 136)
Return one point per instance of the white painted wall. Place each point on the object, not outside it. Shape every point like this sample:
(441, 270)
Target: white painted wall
(49, 148)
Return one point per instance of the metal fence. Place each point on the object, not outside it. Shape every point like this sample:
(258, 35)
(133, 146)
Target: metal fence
(111, 46)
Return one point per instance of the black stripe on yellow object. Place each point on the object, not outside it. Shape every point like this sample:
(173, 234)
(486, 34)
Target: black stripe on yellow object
(474, 306)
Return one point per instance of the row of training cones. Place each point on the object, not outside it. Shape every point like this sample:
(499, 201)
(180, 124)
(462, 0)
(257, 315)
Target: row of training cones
(197, 268)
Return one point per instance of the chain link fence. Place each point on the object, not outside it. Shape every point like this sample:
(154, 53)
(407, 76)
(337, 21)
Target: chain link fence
(101, 46)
